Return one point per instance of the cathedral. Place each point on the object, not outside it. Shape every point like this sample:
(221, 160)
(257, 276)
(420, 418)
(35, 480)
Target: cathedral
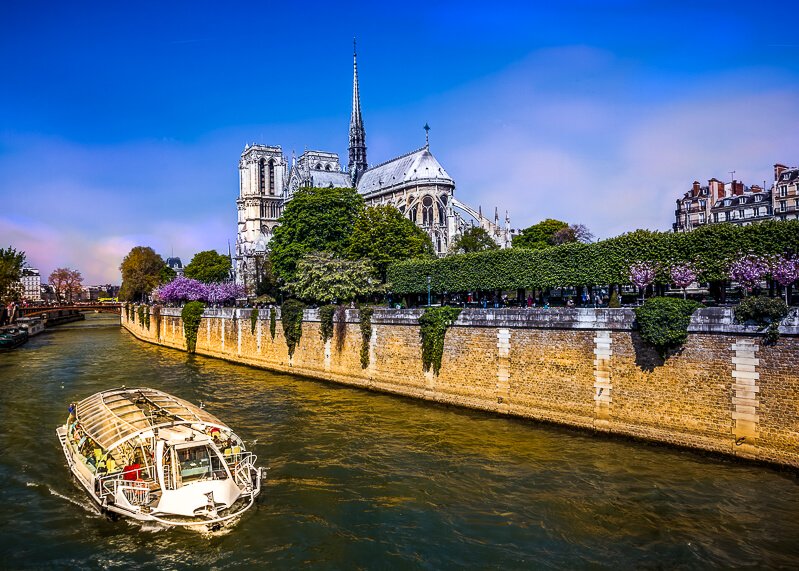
(415, 183)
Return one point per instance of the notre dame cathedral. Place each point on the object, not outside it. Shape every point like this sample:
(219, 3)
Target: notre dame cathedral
(415, 183)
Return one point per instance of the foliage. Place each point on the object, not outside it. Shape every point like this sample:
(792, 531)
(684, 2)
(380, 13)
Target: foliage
(326, 322)
(384, 236)
(642, 274)
(66, 283)
(764, 312)
(253, 320)
(291, 316)
(366, 334)
(166, 275)
(11, 263)
(265, 279)
(187, 289)
(192, 314)
(748, 271)
(433, 325)
(325, 277)
(541, 235)
(785, 271)
(141, 273)
(473, 240)
(147, 317)
(141, 314)
(314, 220)
(572, 233)
(272, 322)
(614, 302)
(341, 327)
(664, 321)
(209, 267)
(128, 309)
(710, 249)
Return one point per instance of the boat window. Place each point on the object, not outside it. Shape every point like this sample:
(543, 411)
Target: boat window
(199, 463)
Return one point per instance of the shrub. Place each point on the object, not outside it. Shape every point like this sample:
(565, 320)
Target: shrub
(253, 320)
(433, 325)
(192, 314)
(141, 314)
(326, 322)
(614, 300)
(366, 334)
(157, 316)
(764, 312)
(147, 317)
(291, 316)
(664, 321)
(272, 322)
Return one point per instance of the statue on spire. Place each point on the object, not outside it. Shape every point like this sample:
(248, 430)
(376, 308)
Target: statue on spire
(357, 161)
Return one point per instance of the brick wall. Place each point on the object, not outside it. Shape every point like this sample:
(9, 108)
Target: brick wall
(724, 391)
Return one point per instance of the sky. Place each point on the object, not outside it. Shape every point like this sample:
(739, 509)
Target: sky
(122, 125)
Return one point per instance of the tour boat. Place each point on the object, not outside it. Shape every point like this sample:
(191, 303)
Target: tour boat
(33, 325)
(148, 455)
(12, 337)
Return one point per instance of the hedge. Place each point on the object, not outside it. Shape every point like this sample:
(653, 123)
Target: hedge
(710, 248)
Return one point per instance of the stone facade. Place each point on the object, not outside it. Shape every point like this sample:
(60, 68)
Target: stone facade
(725, 391)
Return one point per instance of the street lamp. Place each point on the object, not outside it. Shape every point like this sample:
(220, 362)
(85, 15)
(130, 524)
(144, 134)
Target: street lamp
(428, 291)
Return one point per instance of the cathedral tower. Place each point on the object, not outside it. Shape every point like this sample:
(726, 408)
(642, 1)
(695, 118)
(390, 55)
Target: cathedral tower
(357, 163)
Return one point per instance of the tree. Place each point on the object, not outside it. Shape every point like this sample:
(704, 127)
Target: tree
(208, 267)
(66, 283)
(473, 240)
(314, 220)
(539, 235)
(11, 263)
(141, 273)
(325, 277)
(384, 236)
(572, 233)
(642, 274)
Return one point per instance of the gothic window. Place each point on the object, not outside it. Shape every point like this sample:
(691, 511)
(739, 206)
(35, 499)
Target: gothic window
(442, 218)
(263, 210)
(318, 166)
(261, 175)
(271, 176)
(427, 211)
(414, 213)
(327, 167)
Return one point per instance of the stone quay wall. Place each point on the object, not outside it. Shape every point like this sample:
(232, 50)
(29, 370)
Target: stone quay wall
(725, 391)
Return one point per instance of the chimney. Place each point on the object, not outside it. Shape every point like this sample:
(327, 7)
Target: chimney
(716, 189)
(737, 187)
(696, 188)
(778, 168)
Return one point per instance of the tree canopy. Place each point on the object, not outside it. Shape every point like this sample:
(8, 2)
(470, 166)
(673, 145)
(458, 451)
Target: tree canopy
(384, 236)
(541, 235)
(314, 220)
(141, 273)
(473, 240)
(11, 263)
(208, 267)
(323, 276)
(66, 283)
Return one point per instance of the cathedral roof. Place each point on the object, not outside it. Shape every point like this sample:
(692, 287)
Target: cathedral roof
(327, 179)
(414, 167)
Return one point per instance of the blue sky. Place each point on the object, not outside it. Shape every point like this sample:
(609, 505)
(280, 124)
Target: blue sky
(122, 126)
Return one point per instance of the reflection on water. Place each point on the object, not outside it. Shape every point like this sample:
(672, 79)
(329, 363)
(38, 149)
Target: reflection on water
(358, 479)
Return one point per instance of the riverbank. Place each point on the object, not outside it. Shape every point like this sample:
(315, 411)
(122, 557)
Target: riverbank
(724, 392)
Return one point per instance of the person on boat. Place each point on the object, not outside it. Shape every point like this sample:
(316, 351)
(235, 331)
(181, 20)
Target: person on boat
(100, 465)
(110, 464)
(71, 413)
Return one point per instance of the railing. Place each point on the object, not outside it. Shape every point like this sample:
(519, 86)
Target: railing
(137, 492)
(242, 470)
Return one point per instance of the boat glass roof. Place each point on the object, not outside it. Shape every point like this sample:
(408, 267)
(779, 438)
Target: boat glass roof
(109, 417)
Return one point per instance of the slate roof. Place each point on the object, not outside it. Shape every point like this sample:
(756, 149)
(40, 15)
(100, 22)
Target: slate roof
(416, 166)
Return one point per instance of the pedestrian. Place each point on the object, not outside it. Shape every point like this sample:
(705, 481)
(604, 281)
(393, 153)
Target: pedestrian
(530, 301)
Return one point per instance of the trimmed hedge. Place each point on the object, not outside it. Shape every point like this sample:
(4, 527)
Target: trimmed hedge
(710, 248)
(664, 321)
(191, 314)
(765, 312)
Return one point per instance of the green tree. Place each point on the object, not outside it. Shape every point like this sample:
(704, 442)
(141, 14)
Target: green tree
(141, 273)
(314, 220)
(11, 263)
(384, 236)
(541, 235)
(473, 240)
(325, 277)
(208, 266)
(167, 274)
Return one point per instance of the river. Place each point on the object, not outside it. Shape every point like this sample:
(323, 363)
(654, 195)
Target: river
(365, 480)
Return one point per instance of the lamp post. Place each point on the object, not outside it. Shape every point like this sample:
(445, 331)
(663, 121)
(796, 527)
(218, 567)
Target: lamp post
(428, 291)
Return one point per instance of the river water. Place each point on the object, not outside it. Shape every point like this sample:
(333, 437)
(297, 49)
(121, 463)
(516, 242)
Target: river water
(364, 480)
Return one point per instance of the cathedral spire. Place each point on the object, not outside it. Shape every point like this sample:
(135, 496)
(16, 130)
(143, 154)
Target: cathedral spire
(357, 163)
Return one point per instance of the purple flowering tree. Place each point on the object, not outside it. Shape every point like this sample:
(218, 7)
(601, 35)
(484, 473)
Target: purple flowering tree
(642, 274)
(785, 270)
(682, 275)
(181, 289)
(220, 293)
(748, 271)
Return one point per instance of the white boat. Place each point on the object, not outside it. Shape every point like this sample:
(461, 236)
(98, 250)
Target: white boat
(148, 455)
(34, 325)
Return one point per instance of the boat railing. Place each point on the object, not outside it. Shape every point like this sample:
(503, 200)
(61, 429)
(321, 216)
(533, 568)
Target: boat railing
(137, 492)
(242, 470)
